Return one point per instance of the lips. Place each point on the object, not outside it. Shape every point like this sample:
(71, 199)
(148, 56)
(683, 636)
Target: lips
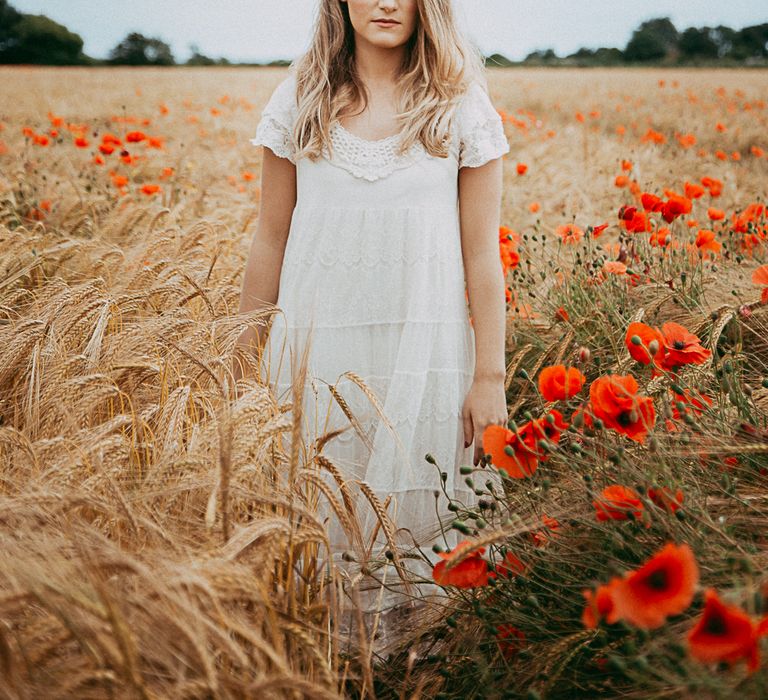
(386, 22)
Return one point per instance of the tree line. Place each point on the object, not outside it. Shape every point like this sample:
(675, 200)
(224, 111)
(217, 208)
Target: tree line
(37, 39)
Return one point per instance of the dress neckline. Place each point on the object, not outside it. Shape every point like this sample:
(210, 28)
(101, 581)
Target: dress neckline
(348, 133)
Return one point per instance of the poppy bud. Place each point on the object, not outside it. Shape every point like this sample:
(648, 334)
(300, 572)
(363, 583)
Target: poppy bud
(653, 347)
(430, 458)
(509, 451)
(468, 481)
(584, 355)
(465, 470)
(437, 549)
(636, 340)
(461, 526)
(634, 416)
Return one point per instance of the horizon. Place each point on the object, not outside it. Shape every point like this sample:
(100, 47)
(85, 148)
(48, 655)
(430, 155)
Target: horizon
(513, 29)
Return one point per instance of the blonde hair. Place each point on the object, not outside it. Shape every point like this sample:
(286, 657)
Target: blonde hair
(439, 64)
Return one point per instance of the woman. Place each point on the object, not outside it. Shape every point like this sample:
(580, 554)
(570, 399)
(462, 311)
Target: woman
(380, 196)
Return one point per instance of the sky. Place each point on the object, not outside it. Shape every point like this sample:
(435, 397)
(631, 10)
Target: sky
(264, 30)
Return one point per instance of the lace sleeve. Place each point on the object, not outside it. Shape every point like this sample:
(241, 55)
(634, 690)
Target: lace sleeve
(481, 130)
(275, 129)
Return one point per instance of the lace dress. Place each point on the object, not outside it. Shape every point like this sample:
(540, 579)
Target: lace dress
(373, 272)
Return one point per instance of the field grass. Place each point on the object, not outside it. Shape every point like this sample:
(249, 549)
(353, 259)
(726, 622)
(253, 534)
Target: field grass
(159, 542)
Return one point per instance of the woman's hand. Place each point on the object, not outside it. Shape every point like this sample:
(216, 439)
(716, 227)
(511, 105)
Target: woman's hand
(485, 404)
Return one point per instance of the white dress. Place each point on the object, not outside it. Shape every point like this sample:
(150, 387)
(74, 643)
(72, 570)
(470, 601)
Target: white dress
(373, 269)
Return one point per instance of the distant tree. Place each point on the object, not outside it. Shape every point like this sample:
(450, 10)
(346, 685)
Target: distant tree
(596, 57)
(541, 56)
(38, 39)
(199, 59)
(9, 17)
(697, 42)
(609, 56)
(751, 42)
(138, 50)
(654, 40)
(723, 37)
(498, 59)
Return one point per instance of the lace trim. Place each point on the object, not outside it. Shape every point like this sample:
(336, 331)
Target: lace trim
(271, 133)
(485, 142)
(369, 160)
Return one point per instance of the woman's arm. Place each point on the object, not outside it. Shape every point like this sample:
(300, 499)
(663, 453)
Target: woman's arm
(480, 212)
(265, 258)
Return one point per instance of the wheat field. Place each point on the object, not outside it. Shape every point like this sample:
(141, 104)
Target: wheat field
(158, 539)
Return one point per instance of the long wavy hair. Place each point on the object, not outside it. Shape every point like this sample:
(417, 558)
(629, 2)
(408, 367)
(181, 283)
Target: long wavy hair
(438, 66)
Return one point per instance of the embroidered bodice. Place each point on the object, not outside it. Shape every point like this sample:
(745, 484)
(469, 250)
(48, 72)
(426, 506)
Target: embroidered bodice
(477, 136)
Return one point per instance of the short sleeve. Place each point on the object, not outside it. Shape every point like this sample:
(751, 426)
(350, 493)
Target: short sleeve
(275, 129)
(481, 130)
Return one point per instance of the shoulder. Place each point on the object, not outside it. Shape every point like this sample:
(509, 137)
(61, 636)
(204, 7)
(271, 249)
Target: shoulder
(476, 107)
(480, 127)
(283, 97)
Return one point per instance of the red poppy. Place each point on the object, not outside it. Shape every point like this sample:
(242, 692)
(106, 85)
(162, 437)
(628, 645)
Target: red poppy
(760, 277)
(569, 233)
(597, 230)
(150, 189)
(714, 186)
(135, 136)
(636, 222)
(664, 498)
(617, 502)
(518, 453)
(651, 202)
(558, 383)
(705, 241)
(599, 604)
(694, 402)
(510, 566)
(644, 351)
(693, 191)
(661, 587)
(471, 571)
(510, 639)
(614, 400)
(682, 347)
(548, 532)
(675, 206)
(660, 237)
(724, 633)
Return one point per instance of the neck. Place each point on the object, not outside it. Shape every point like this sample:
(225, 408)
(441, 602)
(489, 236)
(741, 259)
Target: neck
(377, 65)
